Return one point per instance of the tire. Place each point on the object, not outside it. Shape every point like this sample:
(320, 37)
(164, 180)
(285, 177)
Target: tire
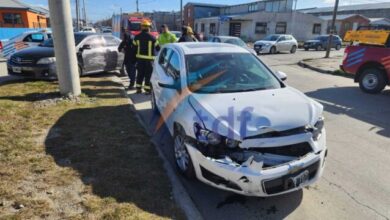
(272, 50)
(182, 157)
(293, 49)
(306, 49)
(372, 80)
(318, 48)
(338, 47)
(258, 53)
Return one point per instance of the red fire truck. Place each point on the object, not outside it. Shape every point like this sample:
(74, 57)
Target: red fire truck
(368, 58)
(132, 23)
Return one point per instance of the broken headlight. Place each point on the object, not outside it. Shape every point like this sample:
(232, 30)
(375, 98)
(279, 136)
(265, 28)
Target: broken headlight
(205, 136)
(230, 143)
(317, 129)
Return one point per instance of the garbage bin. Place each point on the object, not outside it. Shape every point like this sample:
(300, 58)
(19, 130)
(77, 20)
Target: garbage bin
(3, 67)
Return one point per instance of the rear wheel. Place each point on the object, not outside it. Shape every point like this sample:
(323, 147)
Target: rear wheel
(372, 80)
(293, 49)
(182, 157)
(318, 48)
(306, 49)
(338, 47)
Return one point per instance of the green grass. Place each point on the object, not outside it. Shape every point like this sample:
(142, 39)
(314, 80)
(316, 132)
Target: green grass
(77, 159)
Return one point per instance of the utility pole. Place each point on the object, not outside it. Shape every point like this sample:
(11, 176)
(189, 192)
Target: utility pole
(85, 13)
(77, 16)
(181, 12)
(65, 51)
(137, 6)
(332, 29)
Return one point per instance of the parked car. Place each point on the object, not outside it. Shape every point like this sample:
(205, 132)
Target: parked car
(231, 40)
(95, 53)
(177, 34)
(23, 41)
(88, 29)
(368, 58)
(235, 124)
(276, 43)
(321, 43)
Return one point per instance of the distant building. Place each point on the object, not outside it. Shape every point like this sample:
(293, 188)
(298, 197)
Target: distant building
(14, 13)
(370, 10)
(255, 20)
(346, 23)
(169, 18)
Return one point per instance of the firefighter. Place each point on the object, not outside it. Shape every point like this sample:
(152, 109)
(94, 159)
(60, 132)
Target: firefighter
(145, 45)
(130, 59)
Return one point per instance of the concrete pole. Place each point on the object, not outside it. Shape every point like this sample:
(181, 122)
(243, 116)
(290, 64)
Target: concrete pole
(85, 13)
(181, 12)
(77, 16)
(64, 47)
(332, 29)
(137, 5)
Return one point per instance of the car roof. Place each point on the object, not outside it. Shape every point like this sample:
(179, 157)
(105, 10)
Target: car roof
(228, 37)
(208, 47)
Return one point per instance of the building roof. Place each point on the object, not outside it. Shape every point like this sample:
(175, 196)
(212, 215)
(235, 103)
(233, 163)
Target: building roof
(205, 4)
(16, 4)
(370, 6)
(340, 17)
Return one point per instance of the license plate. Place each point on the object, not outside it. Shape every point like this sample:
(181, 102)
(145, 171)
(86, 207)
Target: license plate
(301, 178)
(16, 69)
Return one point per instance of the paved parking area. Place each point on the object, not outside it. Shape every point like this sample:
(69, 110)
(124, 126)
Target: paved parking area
(356, 181)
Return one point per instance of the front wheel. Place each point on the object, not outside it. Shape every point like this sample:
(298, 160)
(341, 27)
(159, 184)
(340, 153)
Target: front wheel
(273, 50)
(372, 80)
(182, 157)
(318, 48)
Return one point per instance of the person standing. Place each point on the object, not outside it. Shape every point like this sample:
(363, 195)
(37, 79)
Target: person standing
(166, 36)
(145, 45)
(187, 35)
(130, 59)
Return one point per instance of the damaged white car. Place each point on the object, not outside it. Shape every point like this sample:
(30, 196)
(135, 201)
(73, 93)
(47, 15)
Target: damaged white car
(236, 125)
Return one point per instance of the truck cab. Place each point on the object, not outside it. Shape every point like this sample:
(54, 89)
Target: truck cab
(368, 58)
(134, 26)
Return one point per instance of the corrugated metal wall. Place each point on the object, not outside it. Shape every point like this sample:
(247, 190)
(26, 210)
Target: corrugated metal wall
(7, 33)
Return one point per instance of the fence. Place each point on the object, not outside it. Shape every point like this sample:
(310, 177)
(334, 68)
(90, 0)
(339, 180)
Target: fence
(8, 33)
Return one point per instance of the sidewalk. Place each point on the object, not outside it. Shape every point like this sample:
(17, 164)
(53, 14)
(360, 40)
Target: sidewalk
(323, 65)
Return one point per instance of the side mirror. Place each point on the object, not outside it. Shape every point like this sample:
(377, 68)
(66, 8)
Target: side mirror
(281, 75)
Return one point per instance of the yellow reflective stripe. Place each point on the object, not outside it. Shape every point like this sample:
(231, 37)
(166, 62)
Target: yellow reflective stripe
(147, 87)
(135, 43)
(150, 48)
(145, 57)
(139, 47)
(156, 43)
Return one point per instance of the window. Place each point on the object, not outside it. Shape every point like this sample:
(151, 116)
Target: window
(196, 27)
(202, 28)
(164, 57)
(317, 29)
(213, 28)
(282, 38)
(281, 28)
(174, 66)
(35, 38)
(275, 6)
(261, 28)
(111, 41)
(12, 18)
(268, 6)
(253, 7)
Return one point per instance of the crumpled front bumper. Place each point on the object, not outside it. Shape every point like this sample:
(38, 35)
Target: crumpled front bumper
(254, 180)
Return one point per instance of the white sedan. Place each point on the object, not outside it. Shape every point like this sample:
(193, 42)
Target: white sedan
(236, 125)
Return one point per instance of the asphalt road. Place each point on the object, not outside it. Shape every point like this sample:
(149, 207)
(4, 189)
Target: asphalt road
(356, 181)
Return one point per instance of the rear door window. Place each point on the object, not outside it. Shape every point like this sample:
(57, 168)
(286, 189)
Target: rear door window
(34, 38)
(174, 66)
(164, 57)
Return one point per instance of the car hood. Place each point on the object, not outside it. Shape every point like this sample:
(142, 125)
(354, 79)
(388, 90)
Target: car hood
(262, 42)
(35, 52)
(312, 41)
(241, 115)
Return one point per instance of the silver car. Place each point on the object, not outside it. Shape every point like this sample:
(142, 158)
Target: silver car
(276, 43)
(231, 40)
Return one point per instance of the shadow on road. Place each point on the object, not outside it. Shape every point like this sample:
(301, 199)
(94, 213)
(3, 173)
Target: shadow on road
(354, 103)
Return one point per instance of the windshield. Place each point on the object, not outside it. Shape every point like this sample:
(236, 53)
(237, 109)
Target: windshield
(237, 42)
(77, 37)
(272, 38)
(227, 73)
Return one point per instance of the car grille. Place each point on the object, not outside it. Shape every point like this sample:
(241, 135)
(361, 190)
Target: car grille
(294, 150)
(22, 61)
(279, 185)
(258, 47)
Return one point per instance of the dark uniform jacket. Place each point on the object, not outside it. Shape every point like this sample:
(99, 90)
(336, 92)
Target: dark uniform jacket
(145, 44)
(128, 46)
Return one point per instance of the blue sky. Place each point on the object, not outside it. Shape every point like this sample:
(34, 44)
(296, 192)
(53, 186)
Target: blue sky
(98, 9)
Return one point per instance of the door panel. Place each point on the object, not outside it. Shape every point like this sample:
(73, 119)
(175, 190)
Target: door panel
(114, 59)
(94, 58)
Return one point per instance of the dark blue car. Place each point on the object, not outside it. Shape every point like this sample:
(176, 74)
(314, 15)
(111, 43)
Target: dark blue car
(321, 43)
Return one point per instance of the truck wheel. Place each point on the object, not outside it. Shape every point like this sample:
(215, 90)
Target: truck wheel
(182, 157)
(338, 47)
(372, 80)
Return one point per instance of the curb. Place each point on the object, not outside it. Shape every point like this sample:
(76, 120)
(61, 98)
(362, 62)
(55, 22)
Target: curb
(305, 65)
(180, 194)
